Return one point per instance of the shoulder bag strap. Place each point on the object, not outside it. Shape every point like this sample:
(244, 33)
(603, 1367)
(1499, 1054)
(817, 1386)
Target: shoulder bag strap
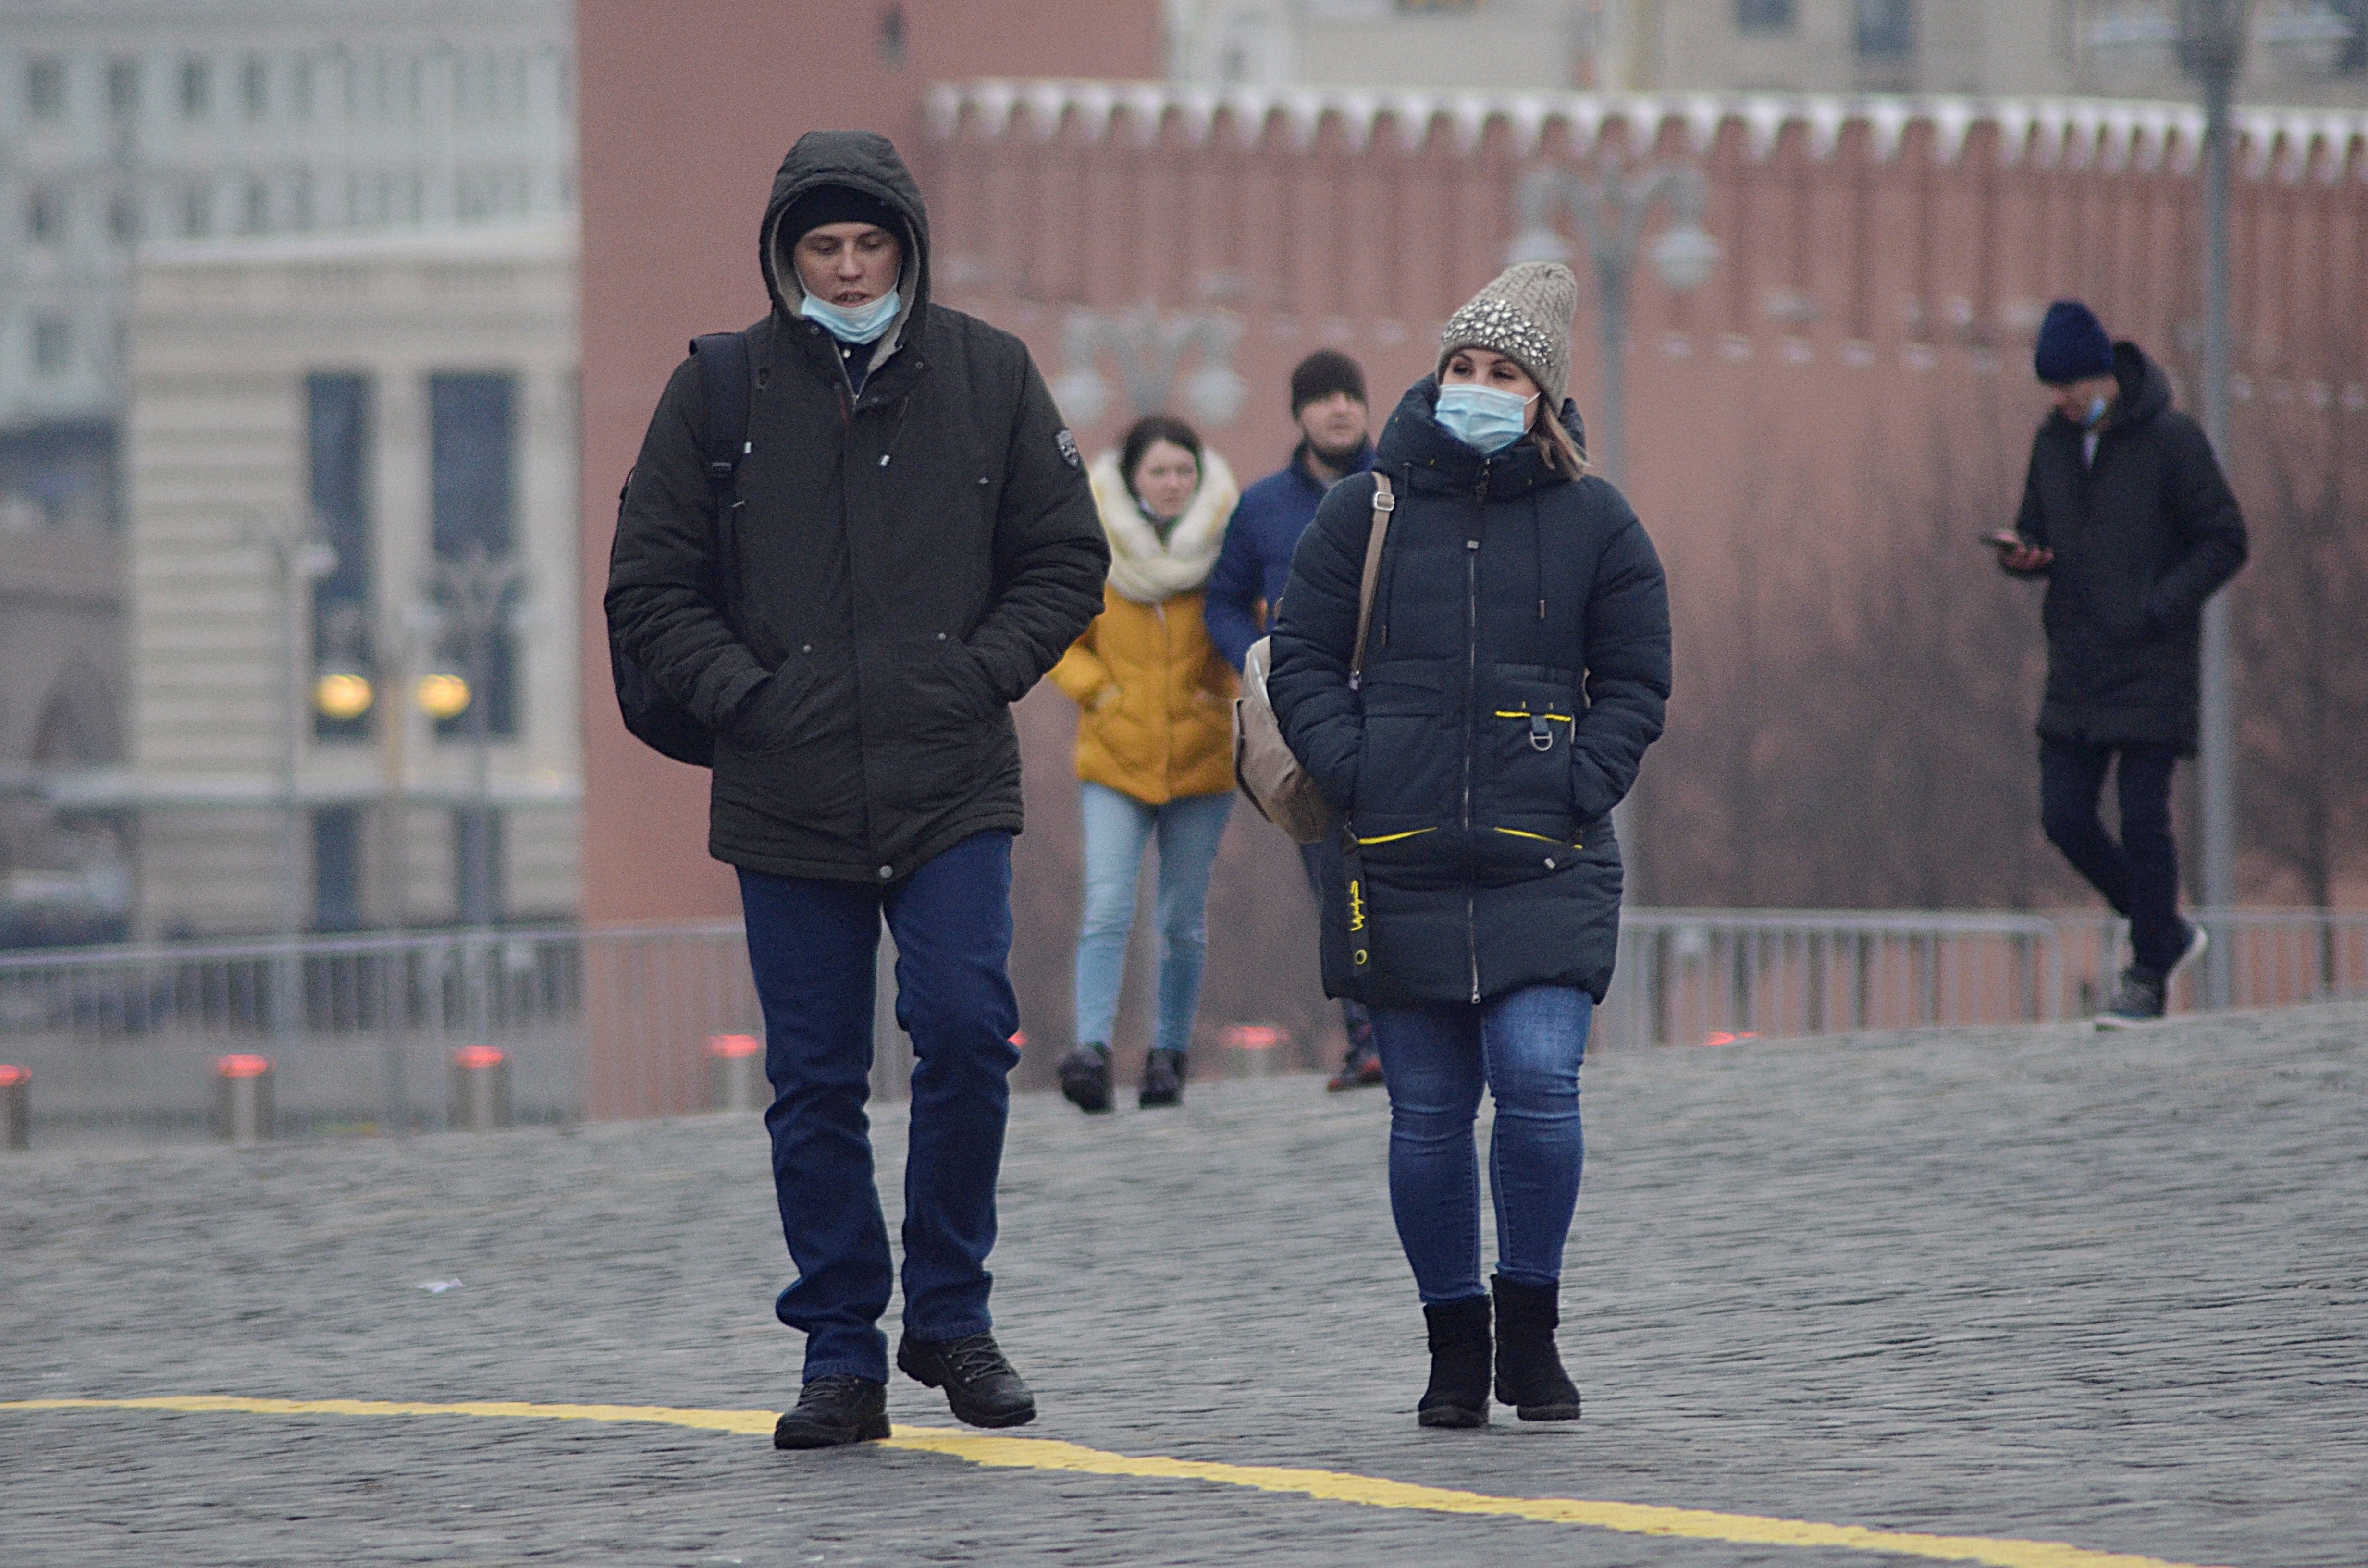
(1384, 504)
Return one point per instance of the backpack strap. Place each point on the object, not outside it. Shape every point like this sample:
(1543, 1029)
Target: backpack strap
(724, 375)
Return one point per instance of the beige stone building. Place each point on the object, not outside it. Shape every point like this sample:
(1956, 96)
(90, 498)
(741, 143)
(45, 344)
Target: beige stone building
(2303, 51)
(325, 435)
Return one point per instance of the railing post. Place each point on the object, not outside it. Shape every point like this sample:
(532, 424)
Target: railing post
(15, 1108)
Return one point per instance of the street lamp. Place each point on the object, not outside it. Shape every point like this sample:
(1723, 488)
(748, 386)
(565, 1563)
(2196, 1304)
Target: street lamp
(297, 558)
(1150, 348)
(476, 597)
(1611, 209)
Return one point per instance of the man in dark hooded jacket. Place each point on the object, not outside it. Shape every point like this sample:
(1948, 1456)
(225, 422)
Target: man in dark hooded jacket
(2127, 516)
(907, 545)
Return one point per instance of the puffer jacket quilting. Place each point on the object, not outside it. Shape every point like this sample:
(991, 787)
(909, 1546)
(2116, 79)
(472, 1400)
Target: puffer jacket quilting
(1517, 669)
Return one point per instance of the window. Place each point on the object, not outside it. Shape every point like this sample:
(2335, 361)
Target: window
(197, 212)
(2352, 60)
(300, 87)
(254, 214)
(473, 423)
(45, 89)
(45, 218)
(337, 868)
(1886, 29)
(53, 344)
(197, 88)
(123, 85)
(255, 86)
(337, 409)
(1764, 15)
(123, 219)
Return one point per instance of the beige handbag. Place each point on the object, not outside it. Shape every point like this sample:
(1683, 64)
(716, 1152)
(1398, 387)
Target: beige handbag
(1273, 780)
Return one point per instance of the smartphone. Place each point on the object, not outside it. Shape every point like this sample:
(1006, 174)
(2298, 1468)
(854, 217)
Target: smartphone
(2005, 538)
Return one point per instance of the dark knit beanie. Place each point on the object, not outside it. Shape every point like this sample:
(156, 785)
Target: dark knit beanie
(837, 204)
(2072, 346)
(1322, 373)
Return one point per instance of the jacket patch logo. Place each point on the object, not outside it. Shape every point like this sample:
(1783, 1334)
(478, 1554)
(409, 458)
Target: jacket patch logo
(1068, 445)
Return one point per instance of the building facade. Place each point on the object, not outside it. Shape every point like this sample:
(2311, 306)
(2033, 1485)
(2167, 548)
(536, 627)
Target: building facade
(2306, 52)
(353, 574)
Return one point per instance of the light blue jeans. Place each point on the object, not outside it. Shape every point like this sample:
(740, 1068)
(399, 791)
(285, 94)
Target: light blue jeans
(1117, 826)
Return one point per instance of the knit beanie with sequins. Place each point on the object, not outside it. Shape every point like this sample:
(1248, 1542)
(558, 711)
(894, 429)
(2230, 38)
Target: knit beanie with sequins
(1525, 315)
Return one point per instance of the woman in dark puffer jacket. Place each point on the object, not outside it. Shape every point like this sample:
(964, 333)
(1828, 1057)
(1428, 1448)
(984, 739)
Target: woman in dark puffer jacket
(1516, 669)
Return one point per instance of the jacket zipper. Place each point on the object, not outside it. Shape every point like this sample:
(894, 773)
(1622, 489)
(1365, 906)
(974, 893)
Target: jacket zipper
(1471, 695)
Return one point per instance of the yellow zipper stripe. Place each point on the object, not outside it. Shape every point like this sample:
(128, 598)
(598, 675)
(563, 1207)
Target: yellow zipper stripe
(1525, 713)
(1394, 837)
(1540, 837)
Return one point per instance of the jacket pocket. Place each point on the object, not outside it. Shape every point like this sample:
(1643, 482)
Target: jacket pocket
(1525, 753)
(808, 698)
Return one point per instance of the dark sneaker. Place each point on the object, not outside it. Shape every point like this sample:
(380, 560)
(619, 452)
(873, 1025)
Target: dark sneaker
(980, 1385)
(1163, 1079)
(1361, 1069)
(1085, 1076)
(2137, 1000)
(840, 1408)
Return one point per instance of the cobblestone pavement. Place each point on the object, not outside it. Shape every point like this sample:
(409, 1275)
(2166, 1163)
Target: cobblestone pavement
(2029, 1283)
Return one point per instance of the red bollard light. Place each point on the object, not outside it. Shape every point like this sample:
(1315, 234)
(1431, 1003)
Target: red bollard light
(481, 1088)
(1256, 1050)
(242, 1101)
(15, 1108)
(736, 1072)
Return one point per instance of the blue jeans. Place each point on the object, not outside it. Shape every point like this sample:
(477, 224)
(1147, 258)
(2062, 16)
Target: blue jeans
(1526, 1046)
(812, 945)
(1117, 826)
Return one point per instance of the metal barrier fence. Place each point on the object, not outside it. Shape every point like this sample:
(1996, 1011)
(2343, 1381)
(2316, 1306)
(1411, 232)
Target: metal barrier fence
(363, 1033)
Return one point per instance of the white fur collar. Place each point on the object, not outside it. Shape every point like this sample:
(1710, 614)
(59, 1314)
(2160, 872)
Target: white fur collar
(1143, 567)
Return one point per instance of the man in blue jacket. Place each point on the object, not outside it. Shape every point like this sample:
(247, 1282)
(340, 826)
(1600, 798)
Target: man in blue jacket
(1327, 402)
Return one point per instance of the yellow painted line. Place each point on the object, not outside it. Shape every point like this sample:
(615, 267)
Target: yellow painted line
(1323, 1485)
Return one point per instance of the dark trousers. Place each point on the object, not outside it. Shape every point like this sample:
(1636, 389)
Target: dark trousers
(2138, 876)
(1359, 1022)
(812, 945)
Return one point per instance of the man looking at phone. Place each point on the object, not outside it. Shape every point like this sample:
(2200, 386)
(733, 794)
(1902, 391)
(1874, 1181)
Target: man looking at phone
(2126, 514)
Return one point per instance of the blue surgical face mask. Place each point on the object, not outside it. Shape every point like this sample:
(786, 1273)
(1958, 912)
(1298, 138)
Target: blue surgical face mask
(852, 323)
(1486, 419)
(2096, 409)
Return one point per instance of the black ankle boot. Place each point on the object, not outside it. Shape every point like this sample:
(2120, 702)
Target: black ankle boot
(1163, 1079)
(1529, 1372)
(1458, 1394)
(1085, 1076)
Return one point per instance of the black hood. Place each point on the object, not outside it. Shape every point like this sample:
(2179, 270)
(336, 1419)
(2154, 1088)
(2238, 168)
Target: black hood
(1412, 442)
(2145, 387)
(861, 160)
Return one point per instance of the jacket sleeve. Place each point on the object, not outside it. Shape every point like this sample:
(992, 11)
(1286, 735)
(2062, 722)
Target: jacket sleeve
(2210, 530)
(1081, 673)
(2030, 522)
(1315, 634)
(1230, 606)
(662, 599)
(1050, 557)
(1627, 671)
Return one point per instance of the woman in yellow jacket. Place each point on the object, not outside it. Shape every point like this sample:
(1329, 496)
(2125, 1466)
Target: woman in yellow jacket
(1154, 743)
